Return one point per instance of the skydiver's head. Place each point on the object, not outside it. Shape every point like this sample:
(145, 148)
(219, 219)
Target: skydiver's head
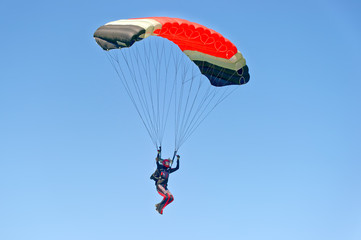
(166, 163)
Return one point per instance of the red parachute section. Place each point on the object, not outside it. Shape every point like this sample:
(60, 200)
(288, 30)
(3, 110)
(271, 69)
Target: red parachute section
(195, 37)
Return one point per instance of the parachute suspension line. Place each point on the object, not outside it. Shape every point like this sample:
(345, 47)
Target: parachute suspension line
(178, 102)
(187, 116)
(192, 119)
(141, 96)
(160, 109)
(115, 59)
(174, 154)
(154, 74)
(173, 57)
(184, 119)
(181, 118)
(172, 84)
(165, 111)
(189, 120)
(161, 95)
(200, 120)
(155, 59)
(174, 61)
(154, 85)
(141, 93)
(150, 87)
(148, 100)
(161, 84)
(209, 99)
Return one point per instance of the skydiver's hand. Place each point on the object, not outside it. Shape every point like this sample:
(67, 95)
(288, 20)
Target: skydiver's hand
(178, 157)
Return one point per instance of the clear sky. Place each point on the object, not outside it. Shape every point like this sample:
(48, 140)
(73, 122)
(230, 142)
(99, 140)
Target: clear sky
(279, 159)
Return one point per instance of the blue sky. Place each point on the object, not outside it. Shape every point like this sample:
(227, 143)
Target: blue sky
(279, 159)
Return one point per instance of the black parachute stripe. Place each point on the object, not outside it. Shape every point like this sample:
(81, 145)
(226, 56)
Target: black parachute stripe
(118, 36)
(219, 76)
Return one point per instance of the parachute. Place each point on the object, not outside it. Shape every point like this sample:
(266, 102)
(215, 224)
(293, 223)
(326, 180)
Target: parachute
(177, 75)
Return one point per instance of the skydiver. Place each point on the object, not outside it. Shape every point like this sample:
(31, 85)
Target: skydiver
(160, 176)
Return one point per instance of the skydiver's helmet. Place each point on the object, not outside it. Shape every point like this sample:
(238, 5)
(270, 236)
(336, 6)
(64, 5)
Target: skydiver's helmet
(166, 163)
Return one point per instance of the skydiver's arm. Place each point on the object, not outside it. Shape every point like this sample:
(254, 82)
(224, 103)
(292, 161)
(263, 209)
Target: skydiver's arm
(177, 167)
(157, 161)
(158, 158)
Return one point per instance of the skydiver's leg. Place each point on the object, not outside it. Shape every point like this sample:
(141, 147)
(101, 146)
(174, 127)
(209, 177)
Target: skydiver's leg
(166, 200)
(171, 198)
(164, 192)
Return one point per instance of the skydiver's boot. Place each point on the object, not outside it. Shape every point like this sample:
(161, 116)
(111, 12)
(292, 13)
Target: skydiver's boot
(158, 208)
(163, 203)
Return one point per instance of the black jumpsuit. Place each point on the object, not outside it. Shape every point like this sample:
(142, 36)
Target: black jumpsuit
(161, 176)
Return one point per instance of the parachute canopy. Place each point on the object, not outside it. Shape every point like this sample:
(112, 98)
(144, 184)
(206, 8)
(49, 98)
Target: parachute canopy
(217, 58)
(166, 75)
